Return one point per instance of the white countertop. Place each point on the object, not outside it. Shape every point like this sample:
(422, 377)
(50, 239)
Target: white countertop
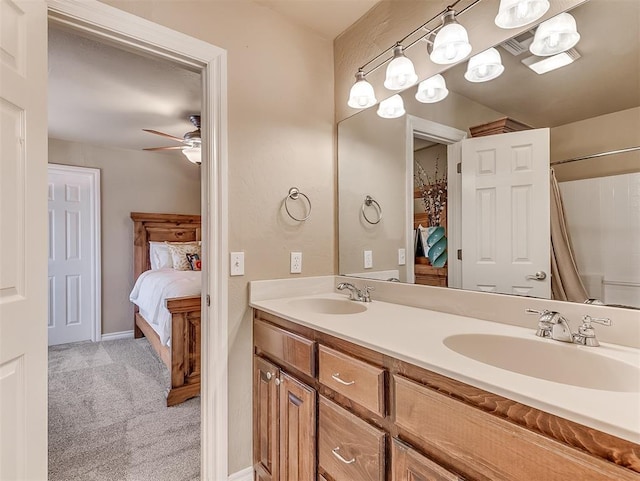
(416, 335)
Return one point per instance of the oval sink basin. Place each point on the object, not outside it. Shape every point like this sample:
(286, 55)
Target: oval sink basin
(329, 306)
(549, 360)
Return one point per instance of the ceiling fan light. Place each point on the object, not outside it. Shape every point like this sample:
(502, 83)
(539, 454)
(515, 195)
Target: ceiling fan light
(432, 90)
(556, 35)
(401, 73)
(391, 108)
(485, 66)
(361, 95)
(451, 43)
(193, 154)
(517, 13)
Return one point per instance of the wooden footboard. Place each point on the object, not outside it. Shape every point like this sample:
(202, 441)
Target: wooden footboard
(183, 357)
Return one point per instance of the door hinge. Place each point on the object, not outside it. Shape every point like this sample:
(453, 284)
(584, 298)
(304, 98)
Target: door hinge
(208, 300)
(459, 254)
(459, 167)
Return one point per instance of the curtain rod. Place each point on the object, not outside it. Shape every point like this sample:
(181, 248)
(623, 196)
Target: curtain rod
(593, 156)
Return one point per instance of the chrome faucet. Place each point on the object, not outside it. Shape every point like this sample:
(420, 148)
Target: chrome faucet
(355, 293)
(555, 326)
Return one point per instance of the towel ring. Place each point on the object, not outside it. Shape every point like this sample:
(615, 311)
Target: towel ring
(294, 194)
(368, 202)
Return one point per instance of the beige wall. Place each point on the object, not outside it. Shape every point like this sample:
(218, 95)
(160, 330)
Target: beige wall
(613, 131)
(281, 134)
(391, 20)
(130, 181)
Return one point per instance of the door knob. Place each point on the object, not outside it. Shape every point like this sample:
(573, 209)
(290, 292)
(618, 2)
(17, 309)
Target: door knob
(538, 276)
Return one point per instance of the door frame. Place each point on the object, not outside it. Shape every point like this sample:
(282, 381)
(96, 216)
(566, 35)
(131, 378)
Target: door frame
(451, 137)
(95, 294)
(127, 30)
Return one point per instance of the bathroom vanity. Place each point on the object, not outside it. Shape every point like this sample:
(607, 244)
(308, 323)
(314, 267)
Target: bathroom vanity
(341, 396)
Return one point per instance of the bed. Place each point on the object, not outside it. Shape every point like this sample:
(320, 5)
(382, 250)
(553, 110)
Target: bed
(179, 347)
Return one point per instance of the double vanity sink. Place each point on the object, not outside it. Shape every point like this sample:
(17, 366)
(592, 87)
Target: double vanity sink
(598, 387)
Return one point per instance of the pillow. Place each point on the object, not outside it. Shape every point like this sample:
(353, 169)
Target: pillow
(194, 262)
(159, 255)
(179, 251)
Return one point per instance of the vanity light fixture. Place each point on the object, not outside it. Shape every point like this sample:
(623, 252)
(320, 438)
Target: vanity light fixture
(400, 72)
(485, 66)
(517, 13)
(558, 34)
(391, 108)
(542, 65)
(432, 90)
(361, 95)
(451, 43)
(193, 154)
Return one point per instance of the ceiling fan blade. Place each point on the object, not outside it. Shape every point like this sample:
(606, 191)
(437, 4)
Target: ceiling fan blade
(172, 137)
(166, 148)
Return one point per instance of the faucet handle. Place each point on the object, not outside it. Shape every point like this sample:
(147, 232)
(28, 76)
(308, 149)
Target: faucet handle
(544, 321)
(587, 334)
(366, 296)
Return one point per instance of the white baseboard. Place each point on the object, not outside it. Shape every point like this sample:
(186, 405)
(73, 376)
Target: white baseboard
(242, 475)
(117, 335)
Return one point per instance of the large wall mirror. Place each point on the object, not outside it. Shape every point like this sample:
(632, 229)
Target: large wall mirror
(414, 205)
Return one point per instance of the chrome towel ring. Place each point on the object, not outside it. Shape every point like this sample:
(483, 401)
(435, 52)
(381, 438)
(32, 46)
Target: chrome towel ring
(294, 194)
(368, 202)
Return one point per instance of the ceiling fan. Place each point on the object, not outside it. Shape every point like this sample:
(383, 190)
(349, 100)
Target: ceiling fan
(190, 141)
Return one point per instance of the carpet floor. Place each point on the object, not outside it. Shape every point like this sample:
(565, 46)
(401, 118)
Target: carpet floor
(108, 419)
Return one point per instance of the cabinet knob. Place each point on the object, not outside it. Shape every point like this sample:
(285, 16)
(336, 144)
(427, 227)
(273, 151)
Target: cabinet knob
(269, 376)
(277, 381)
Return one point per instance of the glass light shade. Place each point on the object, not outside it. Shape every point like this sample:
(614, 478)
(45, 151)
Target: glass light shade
(517, 13)
(485, 66)
(432, 90)
(193, 154)
(400, 72)
(361, 95)
(451, 43)
(392, 108)
(558, 34)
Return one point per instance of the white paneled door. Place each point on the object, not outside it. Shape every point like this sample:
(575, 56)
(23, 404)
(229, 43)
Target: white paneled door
(506, 243)
(73, 194)
(23, 227)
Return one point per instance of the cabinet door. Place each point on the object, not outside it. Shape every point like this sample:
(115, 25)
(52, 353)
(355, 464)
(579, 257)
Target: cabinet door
(265, 420)
(409, 465)
(297, 430)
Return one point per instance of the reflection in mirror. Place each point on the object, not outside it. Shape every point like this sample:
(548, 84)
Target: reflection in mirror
(410, 166)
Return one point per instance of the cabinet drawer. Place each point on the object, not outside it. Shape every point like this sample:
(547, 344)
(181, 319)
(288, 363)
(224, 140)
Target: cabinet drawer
(349, 449)
(409, 465)
(484, 446)
(359, 381)
(288, 348)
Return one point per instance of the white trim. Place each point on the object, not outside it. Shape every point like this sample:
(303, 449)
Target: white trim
(95, 295)
(106, 22)
(442, 134)
(244, 475)
(112, 336)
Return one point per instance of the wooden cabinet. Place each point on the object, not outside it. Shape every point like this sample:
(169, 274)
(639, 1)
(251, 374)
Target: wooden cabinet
(382, 419)
(409, 465)
(284, 425)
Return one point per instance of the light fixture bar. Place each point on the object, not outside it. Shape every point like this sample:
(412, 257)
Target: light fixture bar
(412, 43)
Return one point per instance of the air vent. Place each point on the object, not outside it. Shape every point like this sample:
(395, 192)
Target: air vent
(518, 45)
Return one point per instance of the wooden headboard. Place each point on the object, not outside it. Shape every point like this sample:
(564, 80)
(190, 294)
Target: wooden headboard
(160, 228)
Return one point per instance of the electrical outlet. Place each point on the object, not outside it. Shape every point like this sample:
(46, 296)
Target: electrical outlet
(402, 257)
(368, 259)
(236, 260)
(296, 262)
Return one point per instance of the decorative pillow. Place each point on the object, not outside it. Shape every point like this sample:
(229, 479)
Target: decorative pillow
(179, 251)
(159, 255)
(194, 262)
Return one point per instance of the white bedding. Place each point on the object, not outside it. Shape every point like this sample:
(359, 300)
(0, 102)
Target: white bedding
(153, 287)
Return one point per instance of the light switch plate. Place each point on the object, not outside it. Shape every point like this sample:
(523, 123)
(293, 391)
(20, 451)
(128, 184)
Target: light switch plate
(368, 259)
(402, 257)
(296, 262)
(236, 260)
